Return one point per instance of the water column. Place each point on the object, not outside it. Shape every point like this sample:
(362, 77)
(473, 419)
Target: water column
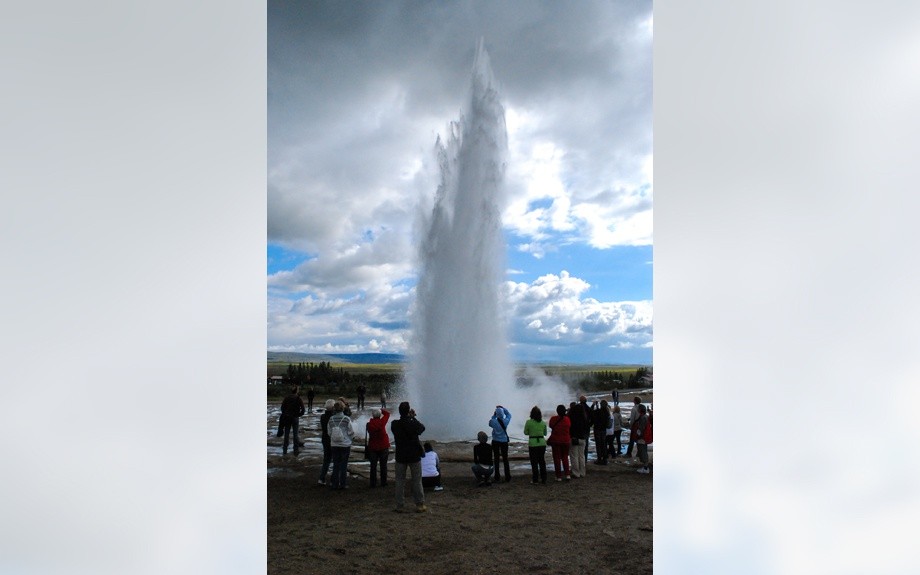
(459, 366)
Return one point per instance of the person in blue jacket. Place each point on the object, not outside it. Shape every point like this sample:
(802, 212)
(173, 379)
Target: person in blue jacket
(499, 424)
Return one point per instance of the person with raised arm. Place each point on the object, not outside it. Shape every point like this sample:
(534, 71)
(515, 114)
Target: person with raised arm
(378, 445)
(406, 431)
(499, 424)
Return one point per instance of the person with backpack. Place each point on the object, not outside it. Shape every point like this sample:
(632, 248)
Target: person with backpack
(340, 436)
(499, 424)
(408, 456)
(643, 430)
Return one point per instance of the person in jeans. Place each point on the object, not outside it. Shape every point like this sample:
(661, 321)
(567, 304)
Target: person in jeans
(327, 449)
(408, 455)
(482, 460)
(499, 424)
(291, 410)
(378, 445)
(535, 430)
(340, 437)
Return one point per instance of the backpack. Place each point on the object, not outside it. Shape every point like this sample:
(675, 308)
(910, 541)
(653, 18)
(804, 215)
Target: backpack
(647, 434)
(336, 433)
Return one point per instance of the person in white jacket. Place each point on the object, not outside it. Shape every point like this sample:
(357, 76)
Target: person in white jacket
(431, 469)
(340, 438)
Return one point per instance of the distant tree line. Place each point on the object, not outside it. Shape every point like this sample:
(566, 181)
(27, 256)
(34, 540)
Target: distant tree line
(600, 380)
(615, 379)
(324, 378)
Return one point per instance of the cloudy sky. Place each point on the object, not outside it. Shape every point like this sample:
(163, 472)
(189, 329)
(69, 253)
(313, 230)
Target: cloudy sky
(358, 94)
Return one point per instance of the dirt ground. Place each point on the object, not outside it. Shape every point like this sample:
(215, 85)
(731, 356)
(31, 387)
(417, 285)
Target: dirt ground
(505, 529)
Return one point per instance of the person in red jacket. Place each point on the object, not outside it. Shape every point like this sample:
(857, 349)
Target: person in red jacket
(560, 441)
(378, 445)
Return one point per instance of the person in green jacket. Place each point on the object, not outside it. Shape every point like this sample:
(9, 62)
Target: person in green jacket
(535, 430)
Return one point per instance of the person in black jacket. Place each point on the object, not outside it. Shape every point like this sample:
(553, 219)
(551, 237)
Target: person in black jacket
(600, 417)
(482, 460)
(579, 432)
(408, 455)
(291, 410)
(327, 447)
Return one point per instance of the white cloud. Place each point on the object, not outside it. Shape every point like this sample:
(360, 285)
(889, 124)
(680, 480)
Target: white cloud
(356, 100)
(553, 309)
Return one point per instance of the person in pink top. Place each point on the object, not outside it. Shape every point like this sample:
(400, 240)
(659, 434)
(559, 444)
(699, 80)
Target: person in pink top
(560, 440)
(378, 445)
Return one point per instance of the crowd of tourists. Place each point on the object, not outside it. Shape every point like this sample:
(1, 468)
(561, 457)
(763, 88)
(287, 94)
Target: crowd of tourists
(567, 434)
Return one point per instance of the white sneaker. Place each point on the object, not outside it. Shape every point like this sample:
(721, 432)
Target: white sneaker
(438, 488)
(643, 470)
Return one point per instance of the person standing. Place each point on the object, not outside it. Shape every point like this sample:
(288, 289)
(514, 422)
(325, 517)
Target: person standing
(535, 430)
(616, 397)
(406, 430)
(641, 429)
(579, 433)
(600, 416)
(378, 445)
(482, 460)
(431, 469)
(383, 397)
(361, 392)
(499, 424)
(614, 441)
(633, 416)
(583, 405)
(340, 437)
(310, 395)
(291, 410)
(327, 448)
(560, 441)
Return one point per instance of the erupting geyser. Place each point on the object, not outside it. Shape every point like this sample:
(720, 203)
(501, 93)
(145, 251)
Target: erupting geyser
(459, 365)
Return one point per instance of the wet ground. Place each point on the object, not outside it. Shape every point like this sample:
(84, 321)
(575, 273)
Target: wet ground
(455, 456)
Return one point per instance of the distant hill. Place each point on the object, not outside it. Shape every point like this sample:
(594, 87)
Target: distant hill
(291, 357)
